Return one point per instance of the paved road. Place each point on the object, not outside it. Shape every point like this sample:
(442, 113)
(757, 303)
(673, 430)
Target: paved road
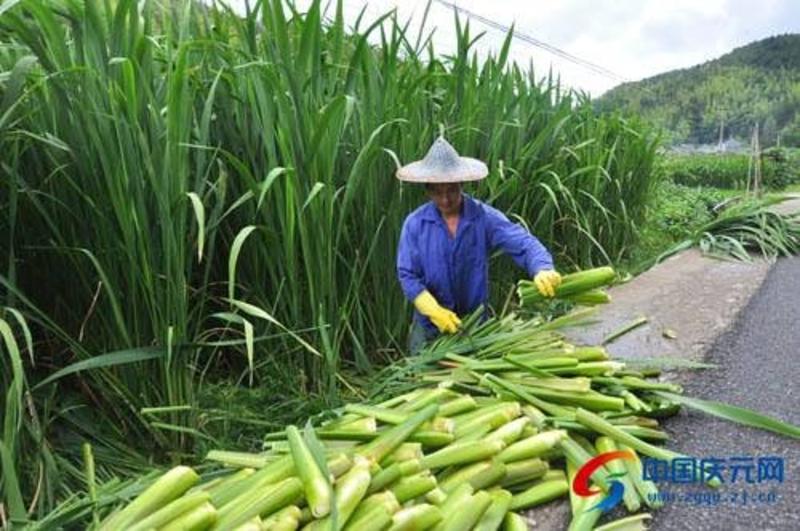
(759, 359)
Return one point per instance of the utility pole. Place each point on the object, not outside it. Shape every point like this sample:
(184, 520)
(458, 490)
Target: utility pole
(754, 166)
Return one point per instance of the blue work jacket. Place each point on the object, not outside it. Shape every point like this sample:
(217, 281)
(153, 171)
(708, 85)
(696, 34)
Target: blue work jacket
(456, 270)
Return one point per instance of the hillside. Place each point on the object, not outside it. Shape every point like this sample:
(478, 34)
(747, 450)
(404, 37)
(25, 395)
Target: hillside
(759, 82)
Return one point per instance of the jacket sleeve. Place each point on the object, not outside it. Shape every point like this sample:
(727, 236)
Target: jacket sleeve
(514, 240)
(409, 266)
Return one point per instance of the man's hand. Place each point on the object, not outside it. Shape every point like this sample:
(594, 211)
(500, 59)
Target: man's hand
(547, 281)
(442, 318)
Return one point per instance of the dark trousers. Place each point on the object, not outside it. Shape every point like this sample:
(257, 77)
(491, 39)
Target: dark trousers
(418, 337)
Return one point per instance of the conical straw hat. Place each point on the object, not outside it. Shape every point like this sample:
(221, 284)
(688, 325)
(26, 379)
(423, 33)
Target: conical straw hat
(443, 164)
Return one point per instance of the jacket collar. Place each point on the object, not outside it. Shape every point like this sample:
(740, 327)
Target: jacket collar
(470, 210)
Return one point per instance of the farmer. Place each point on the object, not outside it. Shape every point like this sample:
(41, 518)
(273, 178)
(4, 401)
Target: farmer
(444, 248)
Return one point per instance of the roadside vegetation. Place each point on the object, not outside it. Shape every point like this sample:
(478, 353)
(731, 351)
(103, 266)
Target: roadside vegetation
(780, 168)
(695, 190)
(758, 83)
(199, 215)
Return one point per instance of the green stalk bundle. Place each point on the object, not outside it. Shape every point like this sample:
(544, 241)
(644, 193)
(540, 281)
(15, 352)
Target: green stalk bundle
(571, 285)
(197, 180)
(166, 489)
(423, 516)
(513, 428)
(540, 493)
(316, 486)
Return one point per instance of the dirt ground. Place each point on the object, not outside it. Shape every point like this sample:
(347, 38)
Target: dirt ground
(790, 206)
(688, 296)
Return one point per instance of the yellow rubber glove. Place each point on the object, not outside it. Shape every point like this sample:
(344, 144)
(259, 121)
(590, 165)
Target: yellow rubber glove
(547, 281)
(442, 318)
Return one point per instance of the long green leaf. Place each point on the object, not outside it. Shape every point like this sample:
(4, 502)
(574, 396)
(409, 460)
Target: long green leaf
(111, 359)
(739, 415)
(236, 248)
(11, 488)
(255, 311)
(200, 218)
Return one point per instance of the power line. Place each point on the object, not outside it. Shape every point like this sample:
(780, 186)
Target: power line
(597, 69)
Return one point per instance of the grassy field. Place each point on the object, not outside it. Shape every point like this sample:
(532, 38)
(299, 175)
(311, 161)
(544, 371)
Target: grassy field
(780, 167)
(674, 212)
(691, 188)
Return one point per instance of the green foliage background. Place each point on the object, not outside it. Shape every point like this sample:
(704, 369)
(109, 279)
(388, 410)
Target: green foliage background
(757, 83)
(188, 196)
(780, 167)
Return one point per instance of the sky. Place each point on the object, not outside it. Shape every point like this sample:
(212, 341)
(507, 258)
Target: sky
(629, 39)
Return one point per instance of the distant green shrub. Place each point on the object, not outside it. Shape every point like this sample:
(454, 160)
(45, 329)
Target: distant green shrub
(784, 164)
(780, 167)
(678, 209)
(706, 169)
(674, 212)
